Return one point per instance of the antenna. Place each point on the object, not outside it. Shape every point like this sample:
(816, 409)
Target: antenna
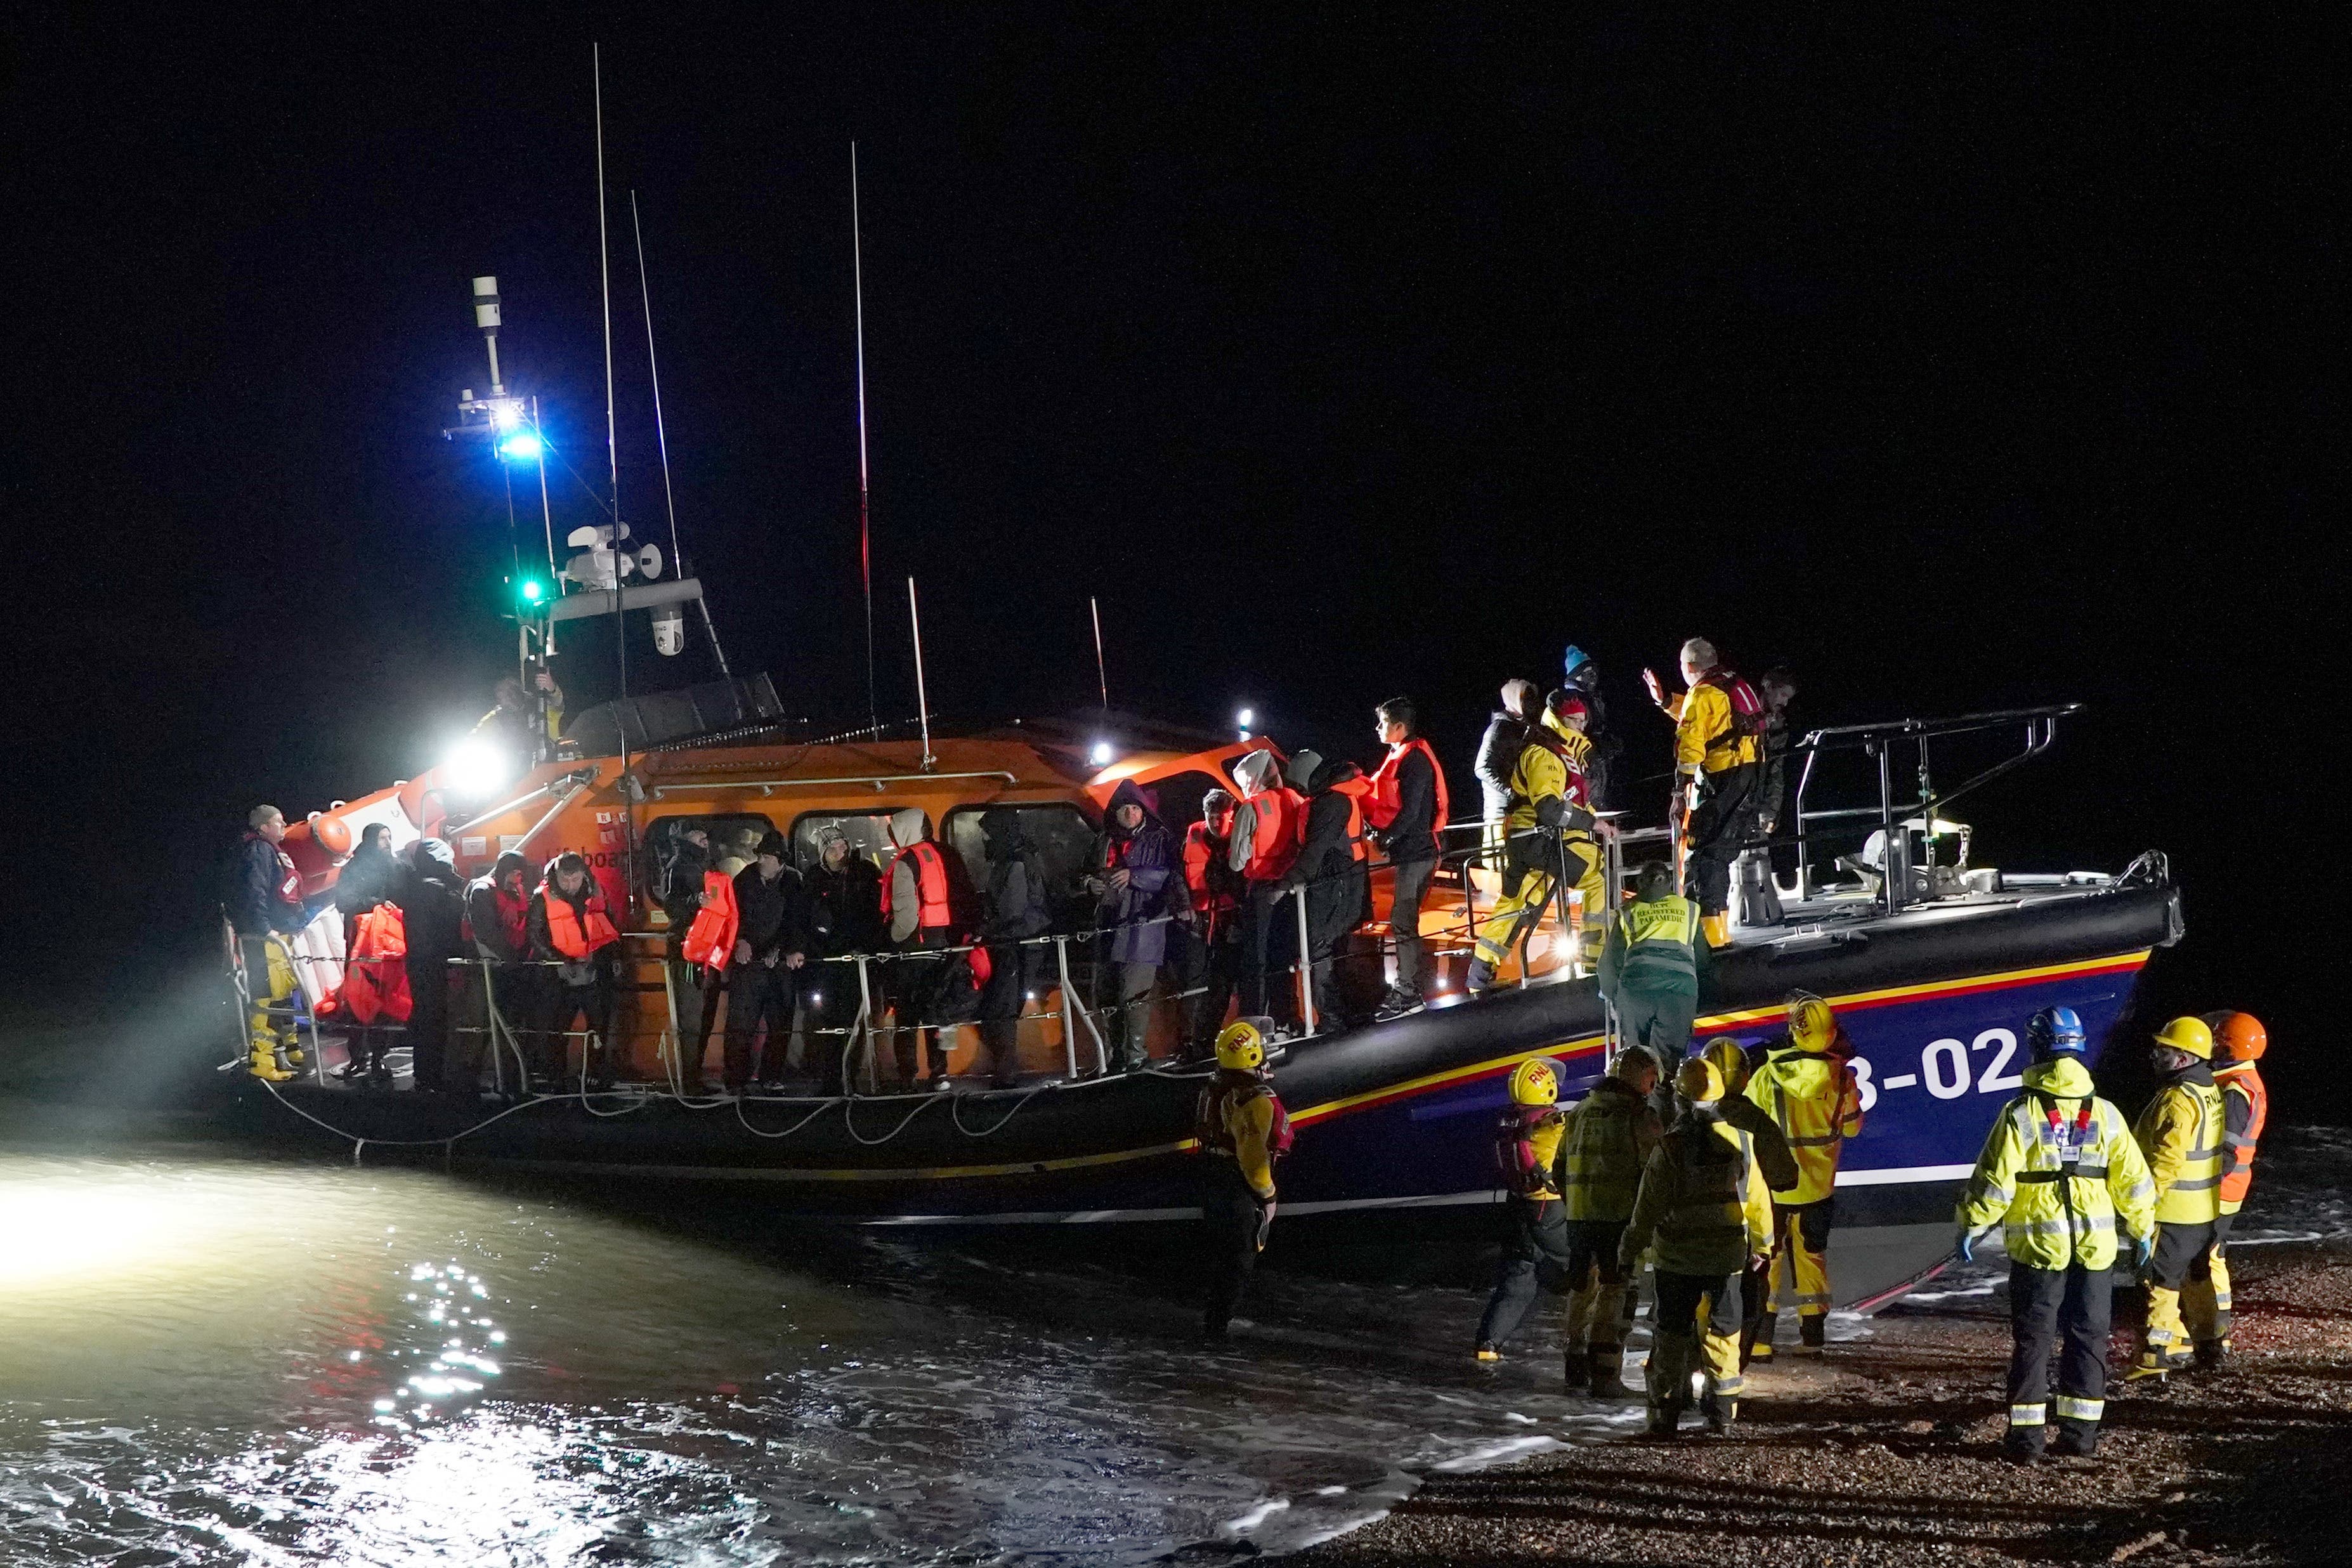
(864, 533)
(661, 436)
(612, 458)
(1095, 609)
(922, 701)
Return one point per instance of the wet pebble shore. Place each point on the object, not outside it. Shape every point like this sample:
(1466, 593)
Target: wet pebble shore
(1887, 1452)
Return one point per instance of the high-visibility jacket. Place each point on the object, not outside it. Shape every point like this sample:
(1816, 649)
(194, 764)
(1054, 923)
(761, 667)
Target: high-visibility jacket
(2245, 1107)
(1815, 1101)
(1385, 802)
(930, 868)
(375, 977)
(1527, 1144)
(1707, 731)
(710, 940)
(1277, 821)
(1661, 937)
(1605, 1143)
(1211, 893)
(2058, 1169)
(1242, 1119)
(1702, 1204)
(2180, 1134)
(1547, 787)
(569, 933)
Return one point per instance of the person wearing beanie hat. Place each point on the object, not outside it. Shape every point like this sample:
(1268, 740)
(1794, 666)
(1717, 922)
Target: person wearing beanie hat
(843, 895)
(1705, 1209)
(432, 915)
(771, 946)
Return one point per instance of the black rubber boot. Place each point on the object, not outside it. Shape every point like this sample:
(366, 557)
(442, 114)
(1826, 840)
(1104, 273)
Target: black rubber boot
(2212, 1354)
(1720, 1412)
(1605, 1372)
(1666, 1423)
(2076, 1439)
(2023, 1446)
(1813, 1331)
(1580, 1371)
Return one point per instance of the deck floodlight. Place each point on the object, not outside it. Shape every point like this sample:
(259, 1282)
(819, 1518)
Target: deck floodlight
(476, 768)
(1102, 754)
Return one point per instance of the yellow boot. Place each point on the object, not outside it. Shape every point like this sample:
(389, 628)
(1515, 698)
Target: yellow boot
(265, 1063)
(1718, 930)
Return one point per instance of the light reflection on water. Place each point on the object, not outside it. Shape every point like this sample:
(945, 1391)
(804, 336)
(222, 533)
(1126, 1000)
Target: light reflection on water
(208, 1361)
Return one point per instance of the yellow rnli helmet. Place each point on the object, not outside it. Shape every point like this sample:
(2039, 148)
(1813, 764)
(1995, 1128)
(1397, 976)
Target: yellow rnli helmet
(1729, 1060)
(2186, 1033)
(1241, 1046)
(1534, 1083)
(1699, 1080)
(1812, 1025)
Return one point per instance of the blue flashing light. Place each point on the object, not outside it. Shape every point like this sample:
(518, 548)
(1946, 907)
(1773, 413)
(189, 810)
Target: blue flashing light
(522, 447)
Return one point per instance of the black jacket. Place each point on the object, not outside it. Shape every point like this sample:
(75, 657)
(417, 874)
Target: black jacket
(371, 877)
(1498, 753)
(432, 913)
(489, 931)
(1338, 886)
(845, 906)
(1016, 882)
(258, 900)
(679, 882)
(772, 920)
(1411, 834)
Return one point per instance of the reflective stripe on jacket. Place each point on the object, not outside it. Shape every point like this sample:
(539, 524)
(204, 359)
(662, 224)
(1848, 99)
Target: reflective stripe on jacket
(2180, 1134)
(1817, 1105)
(1604, 1143)
(2245, 1107)
(1703, 1206)
(710, 940)
(930, 885)
(1659, 937)
(2058, 1169)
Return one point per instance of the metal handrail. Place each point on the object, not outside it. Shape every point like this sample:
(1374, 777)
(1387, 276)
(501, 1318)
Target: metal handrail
(767, 786)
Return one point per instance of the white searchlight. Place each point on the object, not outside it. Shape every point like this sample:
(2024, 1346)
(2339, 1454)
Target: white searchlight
(476, 768)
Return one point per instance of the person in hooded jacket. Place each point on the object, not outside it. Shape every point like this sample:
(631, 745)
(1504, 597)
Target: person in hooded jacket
(1331, 867)
(771, 949)
(681, 886)
(571, 929)
(844, 906)
(1498, 754)
(497, 919)
(1210, 963)
(917, 904)
(1138, 883)
(433, 911)
(1581, 676)
(1806, 1085)
(1773, 1157)
(1261, 849)
(1015, 910)
(371, 877)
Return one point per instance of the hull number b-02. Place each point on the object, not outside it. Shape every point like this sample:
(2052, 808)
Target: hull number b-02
(1951, 1068)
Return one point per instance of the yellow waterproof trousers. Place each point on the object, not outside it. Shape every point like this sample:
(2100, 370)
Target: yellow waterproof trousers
(1804, 1241)
(1596, 1313)
(268, 982)
(2205, 1298)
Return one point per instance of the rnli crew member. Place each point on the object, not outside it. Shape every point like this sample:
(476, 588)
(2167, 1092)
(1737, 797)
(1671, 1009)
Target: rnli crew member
(2239, 1041)
(1266, 833)
(1703, 1207)
(1211, 961)
(1582, 677)
(1602, 1153)
(1773, 1157)
(266, 909)
(1717, 726)
(1498, 753)
(1408, 808)
(2180, 1134)
(1242, 1130)
(1331, 871)
(1808, 1089)
(771, 946)
(845, 916)
(2057, 1172)
(921, 923)
(1136, 883)
(498, 918)
(1653, 964)
(1546, 829)
(1016, 912)
(1534, 1242)
(525, 725)
(570, 929)
(432, 915)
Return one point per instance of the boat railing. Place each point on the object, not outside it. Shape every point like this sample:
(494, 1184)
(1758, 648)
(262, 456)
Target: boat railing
(1880, 742)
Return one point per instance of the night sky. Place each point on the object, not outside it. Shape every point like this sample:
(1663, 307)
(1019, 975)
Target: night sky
(1340, 352)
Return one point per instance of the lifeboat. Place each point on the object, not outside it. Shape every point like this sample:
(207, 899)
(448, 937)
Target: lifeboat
(1933, 965)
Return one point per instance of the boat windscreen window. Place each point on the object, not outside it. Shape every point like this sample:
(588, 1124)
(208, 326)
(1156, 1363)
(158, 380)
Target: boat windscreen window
(868, 831)
(662, 840)
(1064, 838)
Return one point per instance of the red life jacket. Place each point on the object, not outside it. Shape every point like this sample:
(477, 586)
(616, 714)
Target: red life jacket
(930, 886)
(1386, 802)
(710, 940)
(564, 925)
(1209, 1118)
(2238, 1148)
(514, 917)
(1200, 855)
(1358, 792)
(375, 980)
(1281, 814)
(1748, 714)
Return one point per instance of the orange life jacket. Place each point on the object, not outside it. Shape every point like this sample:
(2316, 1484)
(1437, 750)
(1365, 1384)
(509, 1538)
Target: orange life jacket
(1359, 793)
(1386, 799)
(930, 886)
(2238, 1148)
(1200, 855)
(710, 940)
(564, 923)
(1281, 832)
(375, 980)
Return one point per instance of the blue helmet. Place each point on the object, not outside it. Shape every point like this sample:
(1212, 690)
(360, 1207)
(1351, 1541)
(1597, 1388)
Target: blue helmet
(1576, 669)
(2054, 1031)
